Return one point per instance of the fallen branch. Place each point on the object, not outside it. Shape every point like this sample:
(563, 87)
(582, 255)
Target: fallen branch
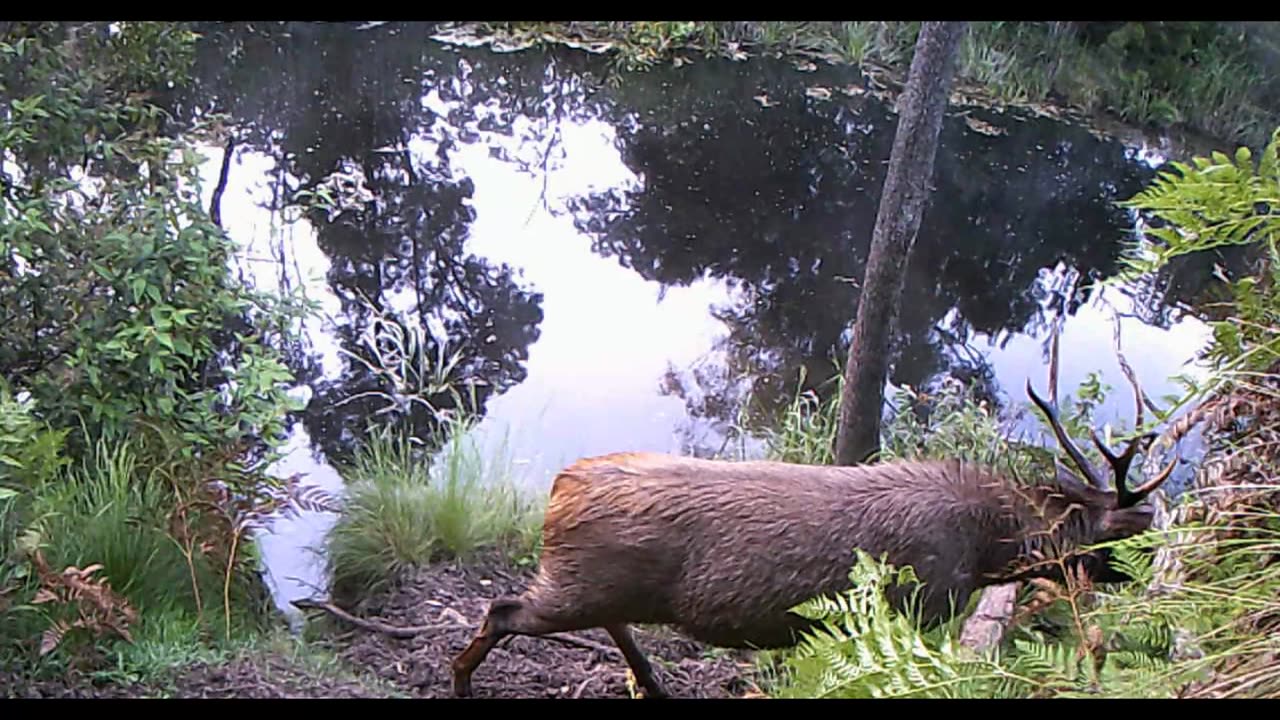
(584, 643)
(986, 627)
(416, 630)
(373, 625)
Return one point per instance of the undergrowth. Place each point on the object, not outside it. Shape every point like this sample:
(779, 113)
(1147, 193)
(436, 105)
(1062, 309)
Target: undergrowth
(143, 385)
(166, 645)
(91, 557)
(1210, 634)
(946, 419)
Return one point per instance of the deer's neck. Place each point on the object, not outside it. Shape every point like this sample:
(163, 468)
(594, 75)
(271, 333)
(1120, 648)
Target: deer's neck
(1044, 530)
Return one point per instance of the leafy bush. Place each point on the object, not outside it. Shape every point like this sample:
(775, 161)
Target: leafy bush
(121, 308)
(29, 450)
(154, 379)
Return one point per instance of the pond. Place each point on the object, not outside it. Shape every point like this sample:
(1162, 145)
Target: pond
(617, 264)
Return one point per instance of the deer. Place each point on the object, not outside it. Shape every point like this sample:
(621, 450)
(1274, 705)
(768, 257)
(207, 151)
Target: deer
(724, 550)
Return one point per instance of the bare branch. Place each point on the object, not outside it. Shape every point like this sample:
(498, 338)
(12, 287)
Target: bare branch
(416, 630)
(215, 204)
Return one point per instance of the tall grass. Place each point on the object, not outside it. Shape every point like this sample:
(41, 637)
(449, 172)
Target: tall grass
(405, 509)
(944, 421)
(110, 511)
(805, 433)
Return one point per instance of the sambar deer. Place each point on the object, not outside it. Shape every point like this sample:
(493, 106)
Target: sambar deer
(723, 550)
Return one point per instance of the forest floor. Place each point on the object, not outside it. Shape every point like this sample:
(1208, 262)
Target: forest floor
(451, 598)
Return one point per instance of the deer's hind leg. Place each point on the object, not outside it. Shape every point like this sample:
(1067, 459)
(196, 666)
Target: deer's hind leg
(521, 616)
(637, 661)
(507, 616)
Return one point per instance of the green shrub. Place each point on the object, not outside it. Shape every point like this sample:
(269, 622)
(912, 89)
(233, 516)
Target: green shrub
(156, 378)
(124, 313)
(30, 452)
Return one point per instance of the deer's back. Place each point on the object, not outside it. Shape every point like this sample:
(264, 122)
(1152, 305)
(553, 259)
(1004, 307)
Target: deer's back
(693, 541)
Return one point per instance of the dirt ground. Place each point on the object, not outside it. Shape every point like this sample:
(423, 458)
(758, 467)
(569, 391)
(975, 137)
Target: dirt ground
(452, 597)
(263, 676)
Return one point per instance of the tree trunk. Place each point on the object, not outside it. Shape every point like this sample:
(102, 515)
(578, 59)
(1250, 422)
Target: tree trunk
(902, 203)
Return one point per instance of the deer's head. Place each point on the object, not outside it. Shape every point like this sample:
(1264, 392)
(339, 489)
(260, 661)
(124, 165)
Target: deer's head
(1124, 513)
(1109, 511)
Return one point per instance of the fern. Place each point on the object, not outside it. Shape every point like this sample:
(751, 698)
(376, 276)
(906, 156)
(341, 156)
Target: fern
(1211, 203)
(1131, 659)
(1133, 556)
(865, 648)
(1151, 635)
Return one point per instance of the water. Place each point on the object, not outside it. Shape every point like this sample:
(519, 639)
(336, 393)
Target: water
(620, 264)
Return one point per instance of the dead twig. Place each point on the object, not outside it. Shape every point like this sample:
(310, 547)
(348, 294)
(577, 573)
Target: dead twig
(373, 625)
(583, 643)
(416, 630)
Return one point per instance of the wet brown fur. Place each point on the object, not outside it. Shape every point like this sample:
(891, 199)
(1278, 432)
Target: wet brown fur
(723, 550)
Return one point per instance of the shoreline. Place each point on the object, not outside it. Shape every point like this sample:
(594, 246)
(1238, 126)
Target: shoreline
(885, 80)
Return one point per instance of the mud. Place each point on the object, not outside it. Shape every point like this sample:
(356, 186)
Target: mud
(455, 597)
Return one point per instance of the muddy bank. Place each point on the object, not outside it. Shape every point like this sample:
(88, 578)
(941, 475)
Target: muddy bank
(454, 597)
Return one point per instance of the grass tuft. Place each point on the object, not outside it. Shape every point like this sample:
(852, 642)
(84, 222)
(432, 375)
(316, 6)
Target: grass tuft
(405, 510)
